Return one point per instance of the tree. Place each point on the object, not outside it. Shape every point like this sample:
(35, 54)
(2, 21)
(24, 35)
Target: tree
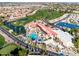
(57, 49)
(44, 48)
(76, 44)
(22, 52)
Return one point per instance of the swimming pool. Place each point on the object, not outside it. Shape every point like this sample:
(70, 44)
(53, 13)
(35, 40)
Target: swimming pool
(33, 36)
(68, 25)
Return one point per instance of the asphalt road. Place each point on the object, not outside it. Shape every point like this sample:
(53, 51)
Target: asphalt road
(27, 46)
(60, 19)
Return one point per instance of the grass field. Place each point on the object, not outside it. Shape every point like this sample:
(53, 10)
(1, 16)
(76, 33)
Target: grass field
(2, 40)
(46, 14)
(40, 14)
(6, 50)
(23, 21)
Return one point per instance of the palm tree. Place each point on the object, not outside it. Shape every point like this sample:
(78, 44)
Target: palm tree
(33, 44)
(44, 48)
(57, 49)
(56, 39)
(23, 52)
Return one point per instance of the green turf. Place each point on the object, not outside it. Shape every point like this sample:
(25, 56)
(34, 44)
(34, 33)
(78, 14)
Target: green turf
(23, 21)
(46, 13)
(2, 40)
(6, 50)
(40, 14)
(5, 27)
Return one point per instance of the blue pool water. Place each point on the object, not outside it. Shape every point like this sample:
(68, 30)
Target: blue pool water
(68, 25)
(33, 36)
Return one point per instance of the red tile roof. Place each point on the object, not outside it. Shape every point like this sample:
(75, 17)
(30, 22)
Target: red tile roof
(48, 30)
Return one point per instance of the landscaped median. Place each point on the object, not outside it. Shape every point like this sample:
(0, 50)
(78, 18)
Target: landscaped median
(2, 40)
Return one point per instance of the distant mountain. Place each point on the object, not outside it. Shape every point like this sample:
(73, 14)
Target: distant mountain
(34, 3)
(21, 3)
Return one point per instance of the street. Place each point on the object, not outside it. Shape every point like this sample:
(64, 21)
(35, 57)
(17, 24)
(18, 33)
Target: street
(29, 47)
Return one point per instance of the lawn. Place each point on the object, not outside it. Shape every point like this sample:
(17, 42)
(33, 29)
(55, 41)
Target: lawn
(6, 50)
(2, 40)
(40, 14)
(46, 14)
(5, 27)
(23, 21)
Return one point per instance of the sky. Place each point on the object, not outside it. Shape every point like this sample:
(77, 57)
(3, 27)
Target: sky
(39, 0)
